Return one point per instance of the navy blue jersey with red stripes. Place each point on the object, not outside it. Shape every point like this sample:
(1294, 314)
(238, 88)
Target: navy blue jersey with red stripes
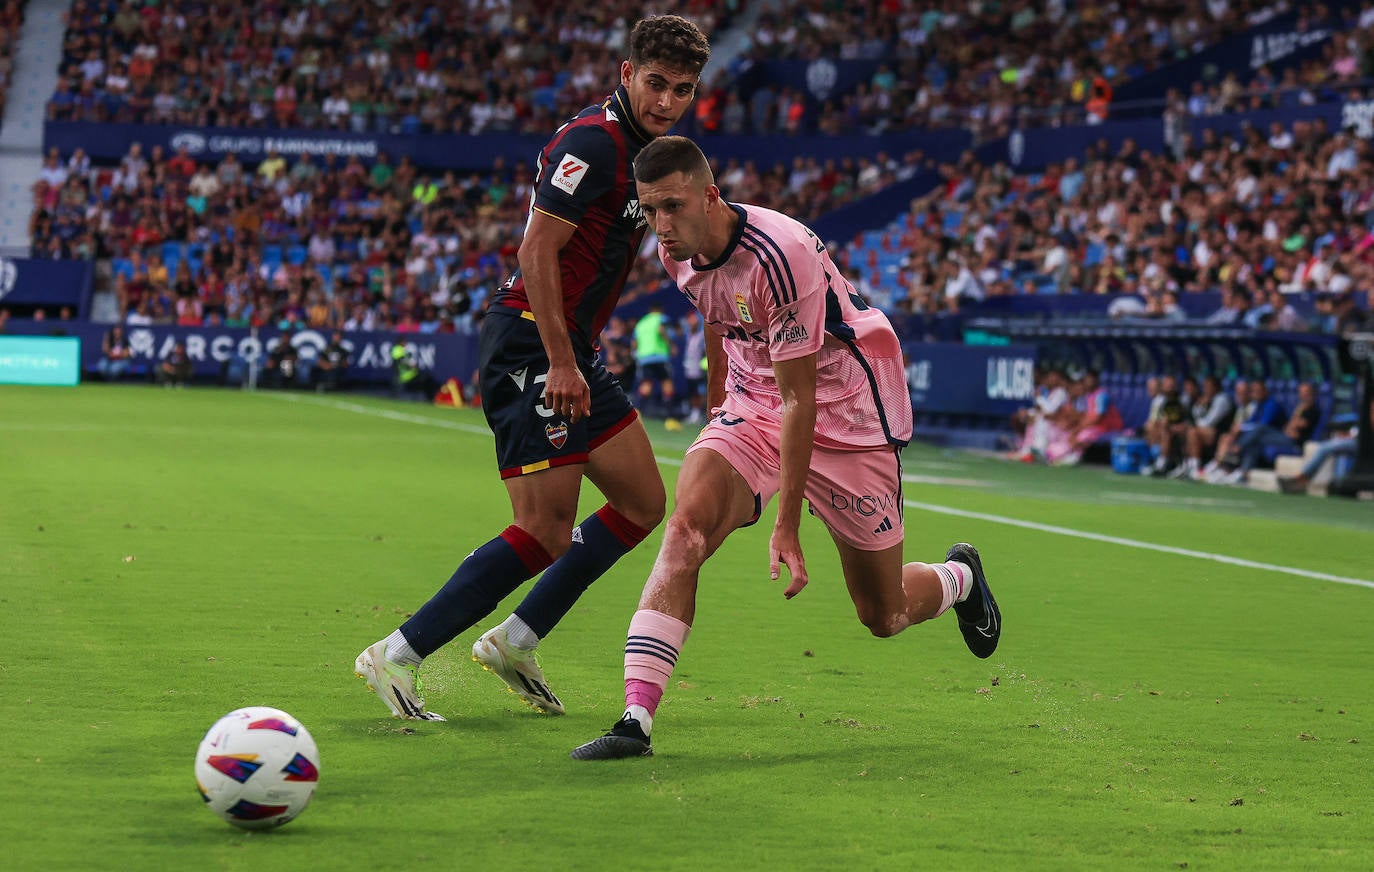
(585, 177)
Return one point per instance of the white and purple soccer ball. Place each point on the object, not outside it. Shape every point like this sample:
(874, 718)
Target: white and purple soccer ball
(257, 767)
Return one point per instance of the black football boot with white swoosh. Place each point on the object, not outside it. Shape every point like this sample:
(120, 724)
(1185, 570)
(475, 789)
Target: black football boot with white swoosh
(979, 618)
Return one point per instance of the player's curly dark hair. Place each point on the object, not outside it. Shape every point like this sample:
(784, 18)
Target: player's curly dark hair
(672, 41)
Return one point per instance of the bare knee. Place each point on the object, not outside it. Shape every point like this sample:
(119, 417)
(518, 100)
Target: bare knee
(684, 540)
(882, 623)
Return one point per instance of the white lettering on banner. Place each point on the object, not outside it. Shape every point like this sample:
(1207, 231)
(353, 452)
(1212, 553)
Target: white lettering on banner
(250, 348)
(197, 143)
(368, 357)
(343, 147)
(145, 343)
(1272, 47)
(918, 375)
(194, 143)
(28, 361)
(236, 144)
(141, 343)
(1011, 378)
(1359, 114)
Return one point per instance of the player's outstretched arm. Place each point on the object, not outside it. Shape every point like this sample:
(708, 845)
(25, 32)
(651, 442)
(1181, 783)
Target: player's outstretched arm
(797, 386)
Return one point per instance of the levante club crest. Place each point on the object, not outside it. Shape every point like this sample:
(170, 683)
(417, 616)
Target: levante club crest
(557, 433)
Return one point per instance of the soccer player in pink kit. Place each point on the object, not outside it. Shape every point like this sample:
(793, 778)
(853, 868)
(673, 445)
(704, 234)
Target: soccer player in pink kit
(809, 400)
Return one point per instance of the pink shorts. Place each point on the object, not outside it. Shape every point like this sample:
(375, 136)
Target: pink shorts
(857, 492)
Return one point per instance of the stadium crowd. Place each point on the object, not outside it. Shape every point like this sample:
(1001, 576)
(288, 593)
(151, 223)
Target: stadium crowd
(403, 67)
(333, 242)
(523, 68)
(11, 18)
(1259, 216)
(991, 67)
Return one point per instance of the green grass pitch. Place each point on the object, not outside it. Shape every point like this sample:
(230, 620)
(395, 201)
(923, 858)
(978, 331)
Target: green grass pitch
(171, 555)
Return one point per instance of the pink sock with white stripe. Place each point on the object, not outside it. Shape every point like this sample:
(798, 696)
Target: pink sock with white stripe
(956, 579)
(651, 650)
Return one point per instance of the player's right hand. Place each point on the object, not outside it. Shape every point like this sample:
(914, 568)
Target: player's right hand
(566, 393)
(784, 548)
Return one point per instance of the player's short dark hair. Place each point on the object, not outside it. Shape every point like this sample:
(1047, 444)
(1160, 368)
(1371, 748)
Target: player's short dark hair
(671, 154)
(672, 41)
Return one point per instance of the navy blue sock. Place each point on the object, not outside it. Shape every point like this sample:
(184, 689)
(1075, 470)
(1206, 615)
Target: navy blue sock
(476, 587)
(598, 542)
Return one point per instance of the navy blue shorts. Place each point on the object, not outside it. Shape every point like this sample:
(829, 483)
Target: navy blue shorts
(529, 435)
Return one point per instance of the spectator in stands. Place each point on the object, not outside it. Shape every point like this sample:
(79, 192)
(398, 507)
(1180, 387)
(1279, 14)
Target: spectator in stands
(1348, 316)
(1212, 415)
(1340, 448)
(175, 369)
(1235, 303)
(116, 357)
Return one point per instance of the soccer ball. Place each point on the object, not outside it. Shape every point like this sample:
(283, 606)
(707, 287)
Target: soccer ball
(257, 767)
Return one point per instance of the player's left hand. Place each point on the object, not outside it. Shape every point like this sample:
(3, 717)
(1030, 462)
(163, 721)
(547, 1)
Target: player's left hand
(784, 548)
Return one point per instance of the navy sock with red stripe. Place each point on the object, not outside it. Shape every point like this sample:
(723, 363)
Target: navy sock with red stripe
(598, 542)
(481, 581)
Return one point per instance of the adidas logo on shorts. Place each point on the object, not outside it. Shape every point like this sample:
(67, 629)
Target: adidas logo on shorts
(884, 526)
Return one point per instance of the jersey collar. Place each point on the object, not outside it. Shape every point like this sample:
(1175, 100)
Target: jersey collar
(730, 246)
(621, 100)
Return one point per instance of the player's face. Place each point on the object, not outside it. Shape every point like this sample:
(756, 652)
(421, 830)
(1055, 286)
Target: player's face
(658, 96)
(676, 207)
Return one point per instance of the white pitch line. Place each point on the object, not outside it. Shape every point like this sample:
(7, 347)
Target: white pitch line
(408, 418)
(1135, 543)
(1165, 499)
(936, 479)
(389, 414)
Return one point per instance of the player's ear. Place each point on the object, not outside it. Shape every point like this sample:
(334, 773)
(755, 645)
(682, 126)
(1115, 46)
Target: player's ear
(712, 195)
(627, 72)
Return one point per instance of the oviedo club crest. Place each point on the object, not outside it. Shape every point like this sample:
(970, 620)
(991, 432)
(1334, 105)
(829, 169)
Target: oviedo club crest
(743, 308)
(557, 433)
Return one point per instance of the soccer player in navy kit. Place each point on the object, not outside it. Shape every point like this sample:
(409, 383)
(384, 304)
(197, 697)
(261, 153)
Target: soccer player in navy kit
(556, 412)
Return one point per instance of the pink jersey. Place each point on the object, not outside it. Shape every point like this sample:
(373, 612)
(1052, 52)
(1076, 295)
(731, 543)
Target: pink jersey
(774, 294)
